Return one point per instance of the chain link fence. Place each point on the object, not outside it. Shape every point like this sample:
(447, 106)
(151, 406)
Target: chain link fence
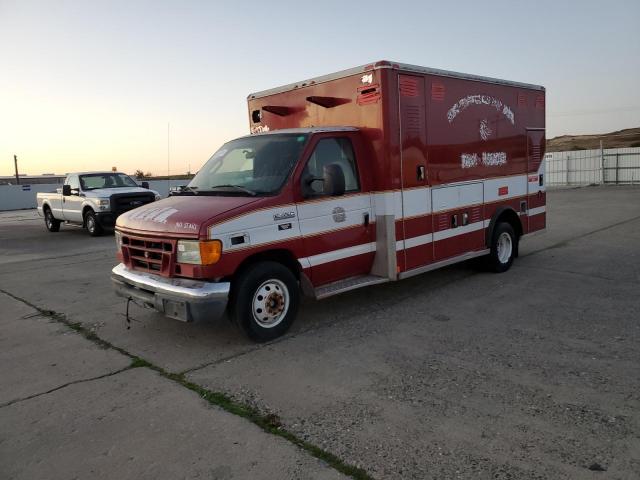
(593, 167)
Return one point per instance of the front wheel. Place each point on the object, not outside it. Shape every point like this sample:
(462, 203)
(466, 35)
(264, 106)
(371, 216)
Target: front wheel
(93, 227)
(504, 244)
(265, 300)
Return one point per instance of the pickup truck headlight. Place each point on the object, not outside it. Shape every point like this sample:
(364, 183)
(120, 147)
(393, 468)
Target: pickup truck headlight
(199, 253)
(118, 237)
(103, 203)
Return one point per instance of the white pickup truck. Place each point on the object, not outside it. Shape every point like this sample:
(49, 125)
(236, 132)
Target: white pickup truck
(93, 200)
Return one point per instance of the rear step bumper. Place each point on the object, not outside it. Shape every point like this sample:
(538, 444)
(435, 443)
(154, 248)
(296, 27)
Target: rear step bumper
(179, 298)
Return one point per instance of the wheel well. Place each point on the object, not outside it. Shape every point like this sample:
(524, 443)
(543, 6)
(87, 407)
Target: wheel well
(504, 215)
(46, 207)
(285, 257)
(85, 210)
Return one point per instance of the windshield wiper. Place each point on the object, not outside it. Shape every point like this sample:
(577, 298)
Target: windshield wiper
(238, 187)
(190, 189)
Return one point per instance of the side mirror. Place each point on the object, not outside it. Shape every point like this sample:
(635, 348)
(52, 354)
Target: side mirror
(145, 185)
(334, 184)
(66, 190)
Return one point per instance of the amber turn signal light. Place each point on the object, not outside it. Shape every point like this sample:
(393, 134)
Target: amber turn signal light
(210, 251)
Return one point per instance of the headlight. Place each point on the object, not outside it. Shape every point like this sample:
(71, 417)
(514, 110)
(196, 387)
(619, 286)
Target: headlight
(103, 202)
(118, 236)
(199, 253)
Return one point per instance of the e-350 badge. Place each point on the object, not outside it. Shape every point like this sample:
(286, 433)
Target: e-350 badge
(283, 216)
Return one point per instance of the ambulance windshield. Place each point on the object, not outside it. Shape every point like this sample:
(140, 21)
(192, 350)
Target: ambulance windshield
(256, 165)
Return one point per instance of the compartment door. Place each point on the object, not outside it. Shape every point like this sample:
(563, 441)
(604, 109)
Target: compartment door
(414, 232)
(458, 221)
(536, 196)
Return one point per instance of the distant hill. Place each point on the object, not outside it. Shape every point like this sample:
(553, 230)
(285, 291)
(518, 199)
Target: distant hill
(629, 137)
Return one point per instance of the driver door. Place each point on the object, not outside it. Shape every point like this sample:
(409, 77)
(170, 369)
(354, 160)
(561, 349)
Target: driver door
(338, 237)
(72, 204)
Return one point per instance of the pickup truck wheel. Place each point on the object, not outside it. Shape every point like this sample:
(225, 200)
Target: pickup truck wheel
(52, 224)
(503, 247)
(265, 300)
(93, 227)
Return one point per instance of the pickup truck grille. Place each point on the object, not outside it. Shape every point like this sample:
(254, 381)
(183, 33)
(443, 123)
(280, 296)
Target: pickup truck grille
(123, 202)
(151, 255)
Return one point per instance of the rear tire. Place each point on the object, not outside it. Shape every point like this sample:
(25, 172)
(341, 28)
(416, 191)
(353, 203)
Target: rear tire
(265, 300)
(504, 245)
(91, 222)
(50, 222)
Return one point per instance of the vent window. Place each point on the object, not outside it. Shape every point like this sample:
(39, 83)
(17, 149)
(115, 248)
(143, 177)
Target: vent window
(437, 91)
(522, 100)
(368, 94)
(408, 86)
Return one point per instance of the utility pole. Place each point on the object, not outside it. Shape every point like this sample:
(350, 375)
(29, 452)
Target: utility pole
(15, 161)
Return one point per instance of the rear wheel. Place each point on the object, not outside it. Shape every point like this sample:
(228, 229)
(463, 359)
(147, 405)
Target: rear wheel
(51, 223)
(265, 300)
(504, 245)
(90, 221)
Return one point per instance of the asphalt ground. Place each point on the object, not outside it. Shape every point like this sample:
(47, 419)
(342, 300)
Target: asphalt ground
(534, 373)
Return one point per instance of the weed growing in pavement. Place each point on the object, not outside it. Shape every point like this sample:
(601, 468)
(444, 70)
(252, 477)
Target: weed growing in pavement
(268, 422)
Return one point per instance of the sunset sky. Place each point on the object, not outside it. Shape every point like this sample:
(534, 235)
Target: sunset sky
(87, 85)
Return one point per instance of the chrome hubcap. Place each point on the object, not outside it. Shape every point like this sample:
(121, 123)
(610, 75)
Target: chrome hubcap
(270, 303)
(90, 224)
(504, 247)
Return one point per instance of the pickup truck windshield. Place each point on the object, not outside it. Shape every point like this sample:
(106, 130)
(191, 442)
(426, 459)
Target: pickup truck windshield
(256, 165)
(106, 180)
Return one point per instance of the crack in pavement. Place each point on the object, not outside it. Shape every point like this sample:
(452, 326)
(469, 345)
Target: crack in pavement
(269, 423)
(60, 387)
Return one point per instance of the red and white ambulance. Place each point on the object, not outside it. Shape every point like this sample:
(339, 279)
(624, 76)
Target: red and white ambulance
(361, 177)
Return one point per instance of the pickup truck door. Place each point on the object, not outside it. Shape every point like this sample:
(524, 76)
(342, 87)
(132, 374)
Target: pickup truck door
(338, 237)
(72, 204)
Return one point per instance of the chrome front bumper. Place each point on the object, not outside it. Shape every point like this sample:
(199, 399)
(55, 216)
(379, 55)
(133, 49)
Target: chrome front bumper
(180, 298)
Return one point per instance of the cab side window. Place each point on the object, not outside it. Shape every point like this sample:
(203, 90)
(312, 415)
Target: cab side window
(329, 151)
(73, 182)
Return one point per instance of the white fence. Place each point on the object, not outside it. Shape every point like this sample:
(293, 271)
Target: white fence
(18, 197)
(580, 167)
(593, 167)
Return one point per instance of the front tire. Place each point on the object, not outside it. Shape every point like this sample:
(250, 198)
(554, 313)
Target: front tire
(50, 222)
(265, 300)
(91, 222)
(504, 245)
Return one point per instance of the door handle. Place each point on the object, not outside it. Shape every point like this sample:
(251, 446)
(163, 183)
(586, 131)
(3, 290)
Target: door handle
(366, 219)
(420, 173)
